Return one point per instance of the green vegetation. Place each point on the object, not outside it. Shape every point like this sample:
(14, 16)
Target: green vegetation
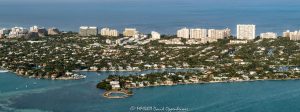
(104, 85)
(55, 56)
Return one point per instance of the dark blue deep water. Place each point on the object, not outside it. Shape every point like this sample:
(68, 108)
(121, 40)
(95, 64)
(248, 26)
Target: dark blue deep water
(19, 94)
(165, 16)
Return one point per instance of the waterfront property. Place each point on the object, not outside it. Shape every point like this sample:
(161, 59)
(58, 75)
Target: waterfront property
(119, 84)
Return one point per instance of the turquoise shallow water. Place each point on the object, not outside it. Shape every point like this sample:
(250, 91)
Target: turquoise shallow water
(82, 96)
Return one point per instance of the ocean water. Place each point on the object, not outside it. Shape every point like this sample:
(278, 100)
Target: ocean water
(165, 16)
(18, 94)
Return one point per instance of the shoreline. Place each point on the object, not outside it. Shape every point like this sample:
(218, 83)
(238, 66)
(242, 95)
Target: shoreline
(214, 82)
(126, 94)
(136, 70)
(106, 93)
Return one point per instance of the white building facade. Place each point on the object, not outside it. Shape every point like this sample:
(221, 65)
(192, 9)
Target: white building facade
(109, 32)
(198, 33)
(183, 33)
(295, 35)
(155, 35)
(268, 35)
(246, 31)
(218, 34)
(130, 32)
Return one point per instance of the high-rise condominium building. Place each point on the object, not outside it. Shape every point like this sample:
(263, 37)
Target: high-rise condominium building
(246, 32)
(198, 33)
(219, 34)
(268, 35)
(33, 29)
(155, 35)
(294, 35)
(130, 32)
(18, 32)
(53, 31)
(88, 31)
(109, 32)
(183, 33)
(286, 34)
(41, 32)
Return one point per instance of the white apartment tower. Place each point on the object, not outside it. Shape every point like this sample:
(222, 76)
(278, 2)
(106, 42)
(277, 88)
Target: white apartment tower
(215, 34)
(109, 32)
(198, 33)
(183, 33)
(246, 31)
(286, 34)
(295, 35)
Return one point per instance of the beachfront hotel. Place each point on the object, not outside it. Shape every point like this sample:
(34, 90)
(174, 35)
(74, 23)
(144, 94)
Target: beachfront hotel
(88, 30)
(268, 35)
(130, 32)
(246, 31)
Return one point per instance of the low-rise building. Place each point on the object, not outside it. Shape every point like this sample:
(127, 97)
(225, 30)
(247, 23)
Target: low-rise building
(268, 35)
(115, 84)
(238, 41)
(175, 41)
